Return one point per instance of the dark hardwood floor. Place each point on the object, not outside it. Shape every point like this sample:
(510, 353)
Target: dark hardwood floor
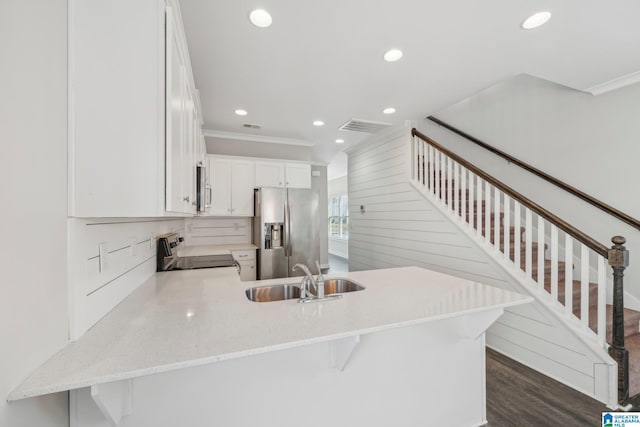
(519, 396)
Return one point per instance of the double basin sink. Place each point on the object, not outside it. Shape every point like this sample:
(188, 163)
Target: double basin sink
(282, 292)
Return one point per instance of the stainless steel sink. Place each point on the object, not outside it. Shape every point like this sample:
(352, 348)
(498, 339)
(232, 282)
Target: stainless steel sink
(340, 286)
(273, 293)
(292, 291)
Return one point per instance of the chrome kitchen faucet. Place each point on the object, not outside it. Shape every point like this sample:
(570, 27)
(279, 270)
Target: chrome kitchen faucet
(318, 285)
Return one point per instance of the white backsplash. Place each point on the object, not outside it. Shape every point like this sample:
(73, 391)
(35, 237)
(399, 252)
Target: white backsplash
(217, 231)
(109, 259)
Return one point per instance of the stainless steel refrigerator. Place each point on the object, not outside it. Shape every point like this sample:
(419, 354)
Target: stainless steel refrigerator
(286, 230)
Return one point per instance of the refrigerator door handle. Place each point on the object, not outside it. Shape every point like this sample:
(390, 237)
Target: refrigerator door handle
(287, 228)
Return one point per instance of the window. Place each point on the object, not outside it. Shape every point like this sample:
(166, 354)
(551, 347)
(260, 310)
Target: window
(339, 217)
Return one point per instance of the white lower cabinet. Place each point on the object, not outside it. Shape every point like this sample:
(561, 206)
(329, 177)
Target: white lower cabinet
(232, 184)
(247, 261)
(247, 270)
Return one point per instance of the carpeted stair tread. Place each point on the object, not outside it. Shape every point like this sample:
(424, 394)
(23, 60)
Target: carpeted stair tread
(577, 291)
(547, 269)
(631, 320)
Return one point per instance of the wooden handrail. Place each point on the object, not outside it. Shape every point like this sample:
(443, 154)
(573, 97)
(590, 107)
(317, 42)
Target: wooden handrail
(560, 223)
(563, 185)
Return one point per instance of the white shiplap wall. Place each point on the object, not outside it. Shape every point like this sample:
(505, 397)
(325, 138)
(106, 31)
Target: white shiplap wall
(398, 226)
(393, 225)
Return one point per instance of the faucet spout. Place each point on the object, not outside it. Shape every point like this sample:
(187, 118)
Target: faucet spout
(308, 280)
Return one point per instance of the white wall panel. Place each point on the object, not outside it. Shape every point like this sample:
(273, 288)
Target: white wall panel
(33, 172)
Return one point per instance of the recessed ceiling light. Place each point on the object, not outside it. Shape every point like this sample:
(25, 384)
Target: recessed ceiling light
(389, 110)
(536, 20)
(241, 112)
(318, 123)
(393, 55)
(260, 18)
(339, 141)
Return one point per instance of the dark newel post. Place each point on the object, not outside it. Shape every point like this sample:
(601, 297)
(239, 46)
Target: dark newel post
(618, 260)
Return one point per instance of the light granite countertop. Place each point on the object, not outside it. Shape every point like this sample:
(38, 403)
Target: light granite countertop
(188, 318)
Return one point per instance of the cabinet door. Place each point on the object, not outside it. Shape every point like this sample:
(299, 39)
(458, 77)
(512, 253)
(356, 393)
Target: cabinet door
(269, 174)
(242, 184)
(221, 186)
(175, 124)
(190, 145)
(247, 270)
(298, 175)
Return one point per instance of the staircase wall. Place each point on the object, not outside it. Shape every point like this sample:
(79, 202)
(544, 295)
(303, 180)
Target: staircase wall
(393, 225)
(586, 141)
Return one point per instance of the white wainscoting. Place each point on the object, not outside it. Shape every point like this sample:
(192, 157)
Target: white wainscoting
(392, 225)
(217, 231)
(108, 260)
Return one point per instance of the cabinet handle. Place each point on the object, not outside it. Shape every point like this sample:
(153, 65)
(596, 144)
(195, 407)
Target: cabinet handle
(207, 203)
(186, 199)
(280, 183)
(243, 256)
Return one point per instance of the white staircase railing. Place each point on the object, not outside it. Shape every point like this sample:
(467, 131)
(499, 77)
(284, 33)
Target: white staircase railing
(521, 233)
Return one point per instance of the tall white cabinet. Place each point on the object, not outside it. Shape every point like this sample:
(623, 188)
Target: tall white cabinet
(125, 159)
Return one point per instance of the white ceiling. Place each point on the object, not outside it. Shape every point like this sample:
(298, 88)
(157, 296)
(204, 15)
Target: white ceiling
(323, 59)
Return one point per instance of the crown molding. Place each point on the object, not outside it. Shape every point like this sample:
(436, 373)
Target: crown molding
(256, 138)
(614, 84)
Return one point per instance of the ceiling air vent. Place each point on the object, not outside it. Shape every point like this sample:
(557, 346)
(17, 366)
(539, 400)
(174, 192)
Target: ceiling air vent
(359, 125)
(250, 126)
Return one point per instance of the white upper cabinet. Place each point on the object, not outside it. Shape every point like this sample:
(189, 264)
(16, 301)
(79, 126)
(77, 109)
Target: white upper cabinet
(121, 148)
(232, 182)
(177, 108)
(269, 174)
(298, 175)
(242, 184)
(280, 174)
(182, 124)
(220, 173)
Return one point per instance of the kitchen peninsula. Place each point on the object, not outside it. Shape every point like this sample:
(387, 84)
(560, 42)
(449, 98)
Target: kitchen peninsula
(189, 348)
